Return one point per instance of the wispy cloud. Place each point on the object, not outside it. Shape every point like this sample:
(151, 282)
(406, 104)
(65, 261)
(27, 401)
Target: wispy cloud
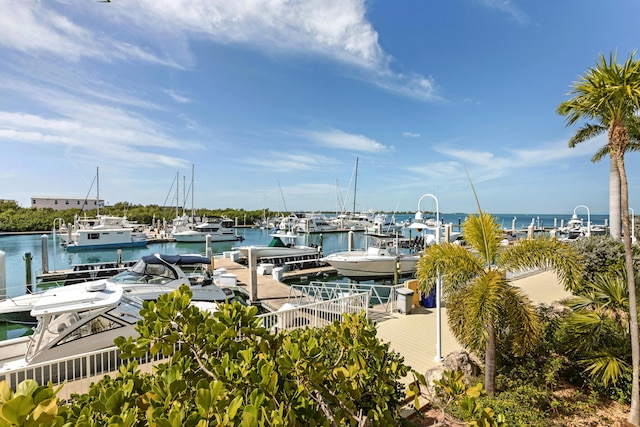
(161, 30)
(508, 7)
(178, 97)
(335, 138)
(290, 162)
(410, 135)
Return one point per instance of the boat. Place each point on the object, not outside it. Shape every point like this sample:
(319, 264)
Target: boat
(383, 224)
(314, 223)
(281, 245)
(103, 232)
(220, 230)
(150, 277)
(74, 320)
(379, 260)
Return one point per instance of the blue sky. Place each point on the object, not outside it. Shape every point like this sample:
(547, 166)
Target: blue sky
(272, 102)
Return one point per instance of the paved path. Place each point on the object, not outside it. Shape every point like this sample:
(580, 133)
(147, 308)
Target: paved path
(414, 335)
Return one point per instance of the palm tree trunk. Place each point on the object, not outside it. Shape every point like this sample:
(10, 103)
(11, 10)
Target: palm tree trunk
(634, 413)
(490, 359)
(614, 199)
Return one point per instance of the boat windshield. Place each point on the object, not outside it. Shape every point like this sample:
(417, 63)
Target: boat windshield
(142, 272)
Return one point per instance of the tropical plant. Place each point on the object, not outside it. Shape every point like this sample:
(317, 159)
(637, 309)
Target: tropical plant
(226, 369)
(484, 309)
(599, 327)
(609, 93)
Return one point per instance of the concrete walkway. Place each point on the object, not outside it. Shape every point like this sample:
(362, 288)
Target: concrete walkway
(414, 335)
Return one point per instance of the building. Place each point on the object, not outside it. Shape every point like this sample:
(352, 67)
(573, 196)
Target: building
(63, 203)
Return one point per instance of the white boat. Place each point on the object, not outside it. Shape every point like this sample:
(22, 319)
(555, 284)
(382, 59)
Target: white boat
(281, 245)
(356, 222)
(383, 224)
(314, 223)
(378, 261)
(72, 321)
(103, 232)
(150, 277)
(221, 230)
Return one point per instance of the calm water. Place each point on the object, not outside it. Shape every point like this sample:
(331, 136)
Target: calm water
(16, 246)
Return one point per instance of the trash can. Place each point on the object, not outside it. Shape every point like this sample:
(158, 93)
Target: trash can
(404, 300)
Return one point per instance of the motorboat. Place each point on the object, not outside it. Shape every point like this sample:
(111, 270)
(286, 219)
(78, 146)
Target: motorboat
(314, 223)
(103, 232)
(379, 260)
(74, 320)
(281, 245)
(150, 277)
(221, 230)
(383, 224)
(356, 222)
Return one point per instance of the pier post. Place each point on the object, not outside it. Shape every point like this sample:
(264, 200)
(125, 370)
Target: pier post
(396, 271)
(27, 264)
(447, 232)
(320, 245)
(44, 242)
(530, 231)
(350, 240)
(119, 257)
(253, 277)
(3, 276)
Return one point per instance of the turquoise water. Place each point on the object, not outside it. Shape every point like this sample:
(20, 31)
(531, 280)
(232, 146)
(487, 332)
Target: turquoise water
(16, 246)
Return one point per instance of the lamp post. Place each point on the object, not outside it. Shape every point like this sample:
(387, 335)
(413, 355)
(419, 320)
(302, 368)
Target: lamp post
(588, 218)
(633, 226)
(419, 225)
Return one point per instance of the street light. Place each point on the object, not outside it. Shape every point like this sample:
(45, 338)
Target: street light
(588, 218)
(419, 225)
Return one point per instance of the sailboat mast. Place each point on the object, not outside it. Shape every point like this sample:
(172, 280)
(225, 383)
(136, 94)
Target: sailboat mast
(177, 191)
(355, 188)
(193, 212)
(98, 189)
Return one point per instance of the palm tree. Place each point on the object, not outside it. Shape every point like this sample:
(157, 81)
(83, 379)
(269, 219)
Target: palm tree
(610, 93)
(483, 307)
(591, 130)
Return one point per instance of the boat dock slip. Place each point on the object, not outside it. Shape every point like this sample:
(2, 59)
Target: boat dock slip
(271, 293)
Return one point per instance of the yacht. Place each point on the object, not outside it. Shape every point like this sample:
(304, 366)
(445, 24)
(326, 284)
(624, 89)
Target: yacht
(383, 224)
(281, 245)
(314, 223)
(103, 232)
(71, 321)
(378, 261)
(151, 276)
(221, 230)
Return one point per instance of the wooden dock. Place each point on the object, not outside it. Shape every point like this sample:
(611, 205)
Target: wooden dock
(271, 293)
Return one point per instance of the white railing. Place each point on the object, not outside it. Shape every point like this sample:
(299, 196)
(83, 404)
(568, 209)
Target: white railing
(381, 295)
(77, 373)
(317, 314)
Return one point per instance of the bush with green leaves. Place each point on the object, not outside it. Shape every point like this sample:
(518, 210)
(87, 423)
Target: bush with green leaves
(226, 369)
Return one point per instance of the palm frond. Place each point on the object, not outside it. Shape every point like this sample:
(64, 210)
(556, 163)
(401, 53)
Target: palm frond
(544, 252)
(455, 264)
(522, 320)
(606, 366)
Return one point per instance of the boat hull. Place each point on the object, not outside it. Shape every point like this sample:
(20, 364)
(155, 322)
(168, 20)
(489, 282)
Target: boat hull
(358, 265)
(197, 237)
(132, 244)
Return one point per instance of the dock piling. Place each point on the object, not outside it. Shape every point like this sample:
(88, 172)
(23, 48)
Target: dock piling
(44, 241)
(3, 276)
(253, 276)
(27, 265)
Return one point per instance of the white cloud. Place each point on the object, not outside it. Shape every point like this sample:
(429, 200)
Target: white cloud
(509, 8)
(335, 138)
(290, 162)
(334, 29)
(178, 97)
(410, 135)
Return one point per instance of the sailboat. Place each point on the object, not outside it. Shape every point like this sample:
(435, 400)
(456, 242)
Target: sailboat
(103, 231)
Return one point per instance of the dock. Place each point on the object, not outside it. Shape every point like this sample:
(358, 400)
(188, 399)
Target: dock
(271, 293)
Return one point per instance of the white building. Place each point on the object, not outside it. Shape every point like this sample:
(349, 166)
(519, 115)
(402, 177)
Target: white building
(63, 203)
